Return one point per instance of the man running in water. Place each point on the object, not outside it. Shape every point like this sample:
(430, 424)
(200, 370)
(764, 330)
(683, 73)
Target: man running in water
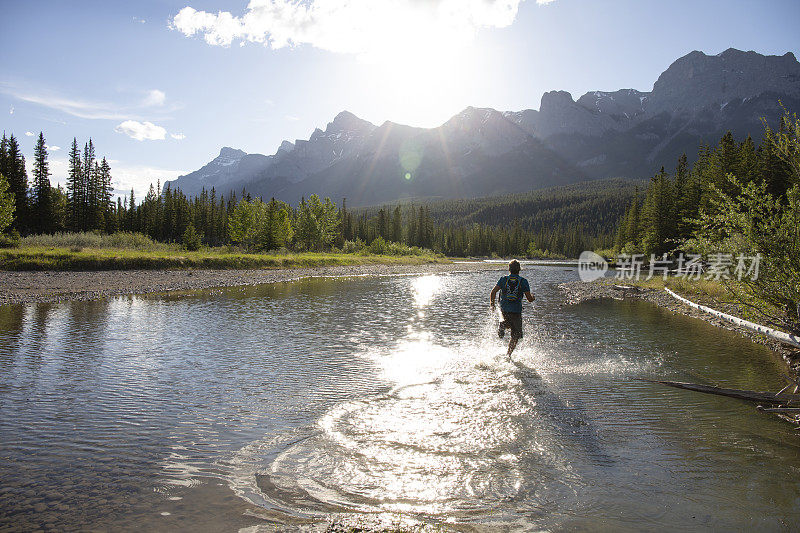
(512, 288)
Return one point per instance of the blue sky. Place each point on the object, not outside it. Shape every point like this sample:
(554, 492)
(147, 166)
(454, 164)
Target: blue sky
(161, 85)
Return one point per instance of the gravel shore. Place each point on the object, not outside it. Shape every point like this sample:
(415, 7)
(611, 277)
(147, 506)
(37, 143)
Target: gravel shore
(577, 291)
(40, 287)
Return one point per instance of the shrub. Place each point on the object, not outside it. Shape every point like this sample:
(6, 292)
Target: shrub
(353, 247)
(9, 240)
(378, 246)
(191, 239)
(80, 240)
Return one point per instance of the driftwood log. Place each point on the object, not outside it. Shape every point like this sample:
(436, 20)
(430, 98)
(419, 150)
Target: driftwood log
(781, 404)
(753, 396)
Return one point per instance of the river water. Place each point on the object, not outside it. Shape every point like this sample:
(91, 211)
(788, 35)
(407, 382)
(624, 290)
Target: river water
(383, 397)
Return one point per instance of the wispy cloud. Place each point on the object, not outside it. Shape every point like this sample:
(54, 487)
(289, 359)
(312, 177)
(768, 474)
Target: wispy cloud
(29, 134)
(361, 27)
(52, 148)
(152, 103)
(292, 118)
(177, 136)
(76, 108)
(11, 110)
(141, 130)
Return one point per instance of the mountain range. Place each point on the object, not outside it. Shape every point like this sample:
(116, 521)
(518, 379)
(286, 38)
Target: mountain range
(482, 151)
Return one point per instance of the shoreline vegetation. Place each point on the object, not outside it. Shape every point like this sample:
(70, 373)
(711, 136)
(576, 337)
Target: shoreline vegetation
(98, 259)
(135, 251)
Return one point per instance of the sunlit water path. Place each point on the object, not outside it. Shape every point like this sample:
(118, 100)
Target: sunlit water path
(284, 404)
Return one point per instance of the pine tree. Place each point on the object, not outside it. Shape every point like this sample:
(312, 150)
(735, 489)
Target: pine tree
(17, 177)
(42, 213)
(6, 204)
(726, 161)
(633, 224)
(658, 215)
(89, 181)
(397, 225)
(104, 195)
(4, 165)
(75, 198)
(748, 161)
(131, 222)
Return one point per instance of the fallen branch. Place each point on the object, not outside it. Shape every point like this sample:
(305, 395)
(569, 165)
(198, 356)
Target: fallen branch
(753, 396)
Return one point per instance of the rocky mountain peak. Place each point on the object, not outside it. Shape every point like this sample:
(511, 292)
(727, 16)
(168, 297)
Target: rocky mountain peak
(555, 99)
(626, 103)
(348, 122)
(231, 153)
(483, 128)
(286, 146)
(697, 80)
(473, 117)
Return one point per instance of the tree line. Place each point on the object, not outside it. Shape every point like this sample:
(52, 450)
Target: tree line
(667, 214)
(558, 222)
(738, 199)
(85, 204)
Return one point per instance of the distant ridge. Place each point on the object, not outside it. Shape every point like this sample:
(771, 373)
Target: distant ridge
(482, 151)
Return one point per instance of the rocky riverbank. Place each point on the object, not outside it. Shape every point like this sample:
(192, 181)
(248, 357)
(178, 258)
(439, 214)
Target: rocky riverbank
(577, 291)
(41, 287)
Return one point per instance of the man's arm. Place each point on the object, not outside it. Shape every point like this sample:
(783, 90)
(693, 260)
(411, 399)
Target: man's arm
(529, 296)
(492, 295)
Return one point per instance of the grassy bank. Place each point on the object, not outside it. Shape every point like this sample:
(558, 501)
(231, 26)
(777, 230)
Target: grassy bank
(134, 251)
(702, 291)
(57, 258)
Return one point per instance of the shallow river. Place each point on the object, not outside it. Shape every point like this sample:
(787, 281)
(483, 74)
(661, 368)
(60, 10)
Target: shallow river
(390, 396)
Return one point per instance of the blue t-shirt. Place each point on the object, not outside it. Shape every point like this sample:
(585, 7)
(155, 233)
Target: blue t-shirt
(512, 291)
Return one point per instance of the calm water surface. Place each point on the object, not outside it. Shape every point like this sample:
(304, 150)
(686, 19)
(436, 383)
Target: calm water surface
(284, 404)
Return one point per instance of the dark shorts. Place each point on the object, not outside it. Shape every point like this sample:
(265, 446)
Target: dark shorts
(513, 321)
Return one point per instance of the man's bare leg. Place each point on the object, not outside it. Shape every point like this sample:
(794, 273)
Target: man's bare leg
(511, 345)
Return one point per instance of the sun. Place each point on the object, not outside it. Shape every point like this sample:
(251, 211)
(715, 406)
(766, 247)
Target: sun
(420, 82)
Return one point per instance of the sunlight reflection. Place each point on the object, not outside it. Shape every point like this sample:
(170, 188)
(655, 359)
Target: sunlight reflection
(415, 360)
(425, 288)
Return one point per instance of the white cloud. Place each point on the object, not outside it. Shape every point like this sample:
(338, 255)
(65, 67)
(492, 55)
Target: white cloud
(52, 148)
(154, 98)
(140, 21)
(141, 130)
(29, 134)
(367, 28)
(11, 111)
(177, 136)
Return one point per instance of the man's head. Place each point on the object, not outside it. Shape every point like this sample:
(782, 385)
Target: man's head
(514, 267)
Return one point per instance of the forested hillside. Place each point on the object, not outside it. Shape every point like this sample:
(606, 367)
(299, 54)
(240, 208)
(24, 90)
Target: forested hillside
(558, 221)
(736, 212)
